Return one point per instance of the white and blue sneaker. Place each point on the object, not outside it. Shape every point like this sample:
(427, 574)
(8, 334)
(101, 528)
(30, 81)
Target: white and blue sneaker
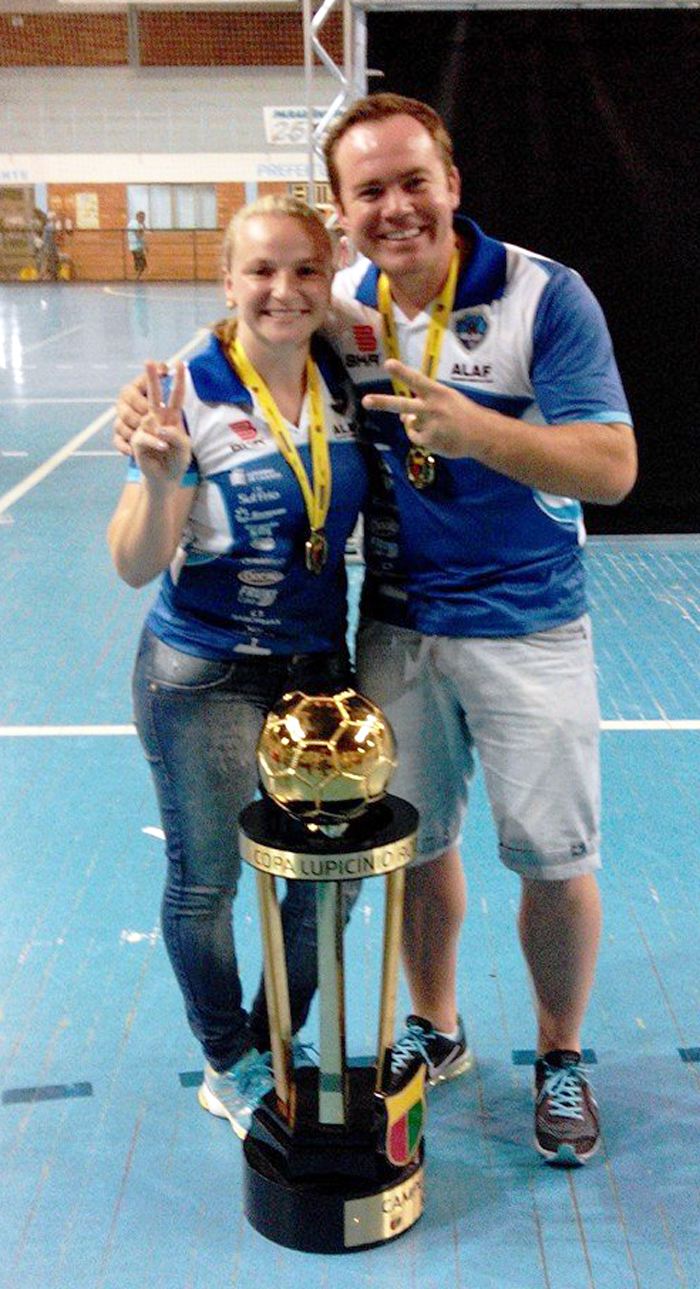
(236, 1093)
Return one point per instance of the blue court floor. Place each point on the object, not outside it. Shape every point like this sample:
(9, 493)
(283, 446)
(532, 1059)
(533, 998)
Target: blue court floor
(112, 1177)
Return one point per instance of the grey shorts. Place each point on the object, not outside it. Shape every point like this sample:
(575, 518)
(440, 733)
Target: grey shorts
(528, 705)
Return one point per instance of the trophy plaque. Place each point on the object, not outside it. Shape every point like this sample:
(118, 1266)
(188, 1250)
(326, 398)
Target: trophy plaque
(333, 1161)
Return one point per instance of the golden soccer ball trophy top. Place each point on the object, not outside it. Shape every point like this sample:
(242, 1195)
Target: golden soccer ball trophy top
(326, 758)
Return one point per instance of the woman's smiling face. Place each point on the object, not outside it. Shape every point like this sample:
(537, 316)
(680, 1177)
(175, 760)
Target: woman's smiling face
(280, 278)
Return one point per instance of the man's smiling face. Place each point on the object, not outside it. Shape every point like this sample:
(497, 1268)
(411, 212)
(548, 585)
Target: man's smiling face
(397, 196)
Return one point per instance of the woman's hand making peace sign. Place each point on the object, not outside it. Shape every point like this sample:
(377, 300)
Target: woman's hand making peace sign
(161, 445)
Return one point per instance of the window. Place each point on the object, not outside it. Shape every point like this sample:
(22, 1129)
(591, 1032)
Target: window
(174, 205)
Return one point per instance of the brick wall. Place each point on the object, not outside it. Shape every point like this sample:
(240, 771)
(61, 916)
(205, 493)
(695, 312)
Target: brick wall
(181, 38)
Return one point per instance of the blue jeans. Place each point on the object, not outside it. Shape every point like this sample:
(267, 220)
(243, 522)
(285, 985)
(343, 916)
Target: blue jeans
(199, 721)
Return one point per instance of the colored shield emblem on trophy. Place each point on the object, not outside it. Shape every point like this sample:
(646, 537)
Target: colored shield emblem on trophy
(405, 1111)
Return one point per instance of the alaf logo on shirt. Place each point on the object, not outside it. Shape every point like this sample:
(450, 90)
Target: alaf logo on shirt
(471, 371)
(471, 329)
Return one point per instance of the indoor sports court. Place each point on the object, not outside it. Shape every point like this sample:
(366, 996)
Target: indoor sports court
(112, 1176)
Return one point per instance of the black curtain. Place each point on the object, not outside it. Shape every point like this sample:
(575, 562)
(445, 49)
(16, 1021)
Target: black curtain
(578, 136)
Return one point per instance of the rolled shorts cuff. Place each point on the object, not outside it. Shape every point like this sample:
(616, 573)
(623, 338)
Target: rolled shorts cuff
(552, 868)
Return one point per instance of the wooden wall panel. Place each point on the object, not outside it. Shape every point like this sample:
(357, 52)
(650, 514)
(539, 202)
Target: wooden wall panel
(97, 256)
(229, 199)
(111, 200)
(63, 40)
(179, 38)
(223, 38)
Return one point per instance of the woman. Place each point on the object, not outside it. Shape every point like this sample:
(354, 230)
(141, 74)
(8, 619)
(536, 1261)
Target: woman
(244, 490)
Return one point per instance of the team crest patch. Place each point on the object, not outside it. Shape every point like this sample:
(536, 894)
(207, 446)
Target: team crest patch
(404, 1112)
(471, 329)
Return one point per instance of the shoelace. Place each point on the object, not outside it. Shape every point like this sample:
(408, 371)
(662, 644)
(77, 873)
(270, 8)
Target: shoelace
(563, 1088)
(412, 1044)
(253, 1081)
(256, 1078)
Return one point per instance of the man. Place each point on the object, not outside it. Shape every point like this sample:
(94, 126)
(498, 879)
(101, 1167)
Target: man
(506, 412)
(49, 249)
(136, 235)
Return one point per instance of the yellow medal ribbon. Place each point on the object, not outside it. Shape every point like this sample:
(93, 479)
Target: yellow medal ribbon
(317, 495)
(439, 318)
(420, 465)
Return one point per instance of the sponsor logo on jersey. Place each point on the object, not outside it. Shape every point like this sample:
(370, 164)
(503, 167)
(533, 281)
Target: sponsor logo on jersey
(263, 598)
(362, 360)
(257, 495)
(260, 576)
(365, 338)
(383, 549)
(383, 525)
(245, 430)
(265, 474)
(471, 329)
(471, 371)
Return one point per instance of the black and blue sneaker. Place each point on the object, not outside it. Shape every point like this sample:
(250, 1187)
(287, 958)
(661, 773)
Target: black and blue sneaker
(445, 1057)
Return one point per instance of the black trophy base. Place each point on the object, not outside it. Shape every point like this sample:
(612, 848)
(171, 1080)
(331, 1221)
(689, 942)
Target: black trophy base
(327, 1189)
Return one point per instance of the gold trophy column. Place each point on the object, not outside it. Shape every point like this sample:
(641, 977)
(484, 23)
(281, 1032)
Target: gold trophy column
(393, 923)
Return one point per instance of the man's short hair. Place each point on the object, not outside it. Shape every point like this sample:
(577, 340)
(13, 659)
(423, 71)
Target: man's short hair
(379, 107)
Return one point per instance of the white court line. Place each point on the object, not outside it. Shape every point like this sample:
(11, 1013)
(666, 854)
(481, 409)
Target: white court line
(58, 335)
(41, 472)
(135, 294)
(66, 731)
(20, 402)
(63, 731)
(650, 725)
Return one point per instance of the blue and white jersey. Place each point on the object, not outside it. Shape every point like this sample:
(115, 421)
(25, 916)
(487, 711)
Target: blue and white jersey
(238, 583)
(477, 554)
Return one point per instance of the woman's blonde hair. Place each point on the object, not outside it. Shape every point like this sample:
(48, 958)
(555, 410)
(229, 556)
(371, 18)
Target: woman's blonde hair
(274, 204)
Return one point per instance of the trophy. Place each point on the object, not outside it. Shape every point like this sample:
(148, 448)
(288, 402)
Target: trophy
(333, 1160)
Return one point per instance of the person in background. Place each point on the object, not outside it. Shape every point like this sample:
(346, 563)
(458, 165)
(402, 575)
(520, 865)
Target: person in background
(49, 249)
(136, 236)
(244, 488)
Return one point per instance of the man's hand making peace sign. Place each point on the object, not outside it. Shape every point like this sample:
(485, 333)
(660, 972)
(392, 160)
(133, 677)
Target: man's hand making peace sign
(436, 418)
(590, 460)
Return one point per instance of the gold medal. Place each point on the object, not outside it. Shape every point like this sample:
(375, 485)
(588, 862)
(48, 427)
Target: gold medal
(316, 551)
(420, 468)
